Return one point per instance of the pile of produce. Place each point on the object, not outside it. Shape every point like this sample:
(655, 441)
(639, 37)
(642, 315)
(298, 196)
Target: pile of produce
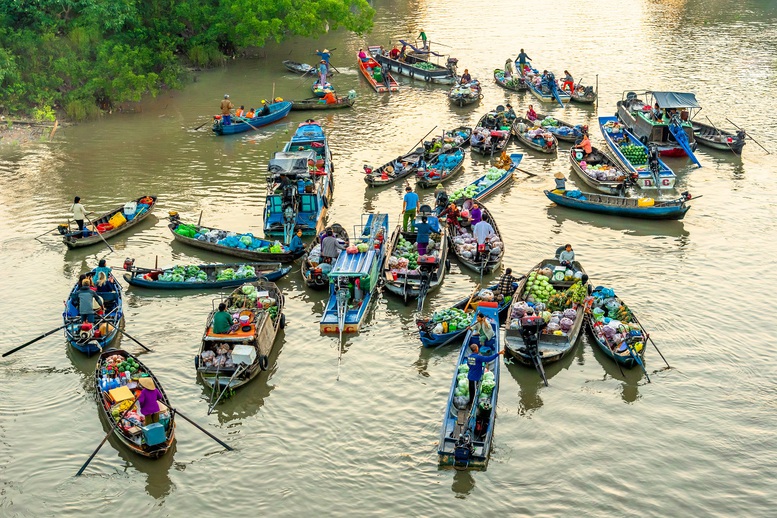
(186, 230)
(539, 288)
(191, 273)
(488, 383)
(222, 357)
(462, 387)
(244, 272)
(424, 66)
(248, 297)
(634, 154)
(473, 190)
(613, 127)
(405, 256)
(116, 363)
(449, 320)
(466, 245)
(602, 172)
(549, 121)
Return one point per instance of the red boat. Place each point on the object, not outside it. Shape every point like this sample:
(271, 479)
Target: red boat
(373, 72)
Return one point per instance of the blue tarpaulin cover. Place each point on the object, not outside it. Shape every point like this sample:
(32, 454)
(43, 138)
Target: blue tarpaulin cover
(675, 100)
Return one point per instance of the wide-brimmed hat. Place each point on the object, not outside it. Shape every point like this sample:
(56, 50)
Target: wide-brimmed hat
(559, 175)
(326, 51)
(147, 383)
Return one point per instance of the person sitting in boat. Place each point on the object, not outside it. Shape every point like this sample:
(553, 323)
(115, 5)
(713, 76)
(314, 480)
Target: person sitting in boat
(567, 256)
(657, 115)
(149, 399)
(367, 169)
(101, 268)
(226, 107)
(308, 186)
(265, 108)
(451, 215)
(330, 247)
(464, 219)
(250, 114)
(475, 213)
(240, 111)
(330, 98)
(476, 139)
(399, 166)
(531, 114)
(561, 181)
(569, 82)
(296, 244)
(87, 300)
(485, 336)
(482, 231)
(585, 145)
(222, 321)
(505, 286)
(394, 53)
(508, 72)
(509, 113)
(363, 56)
(465, 77)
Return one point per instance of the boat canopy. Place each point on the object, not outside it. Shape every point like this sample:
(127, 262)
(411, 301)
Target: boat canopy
(291, 163)
(675, 100)
(353, 265)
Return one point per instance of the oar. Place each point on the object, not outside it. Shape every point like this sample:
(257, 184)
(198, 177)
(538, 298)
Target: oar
(537, 360)
(47, 232)
(720, 133)
(203, 430)
(98, 233)
(201, 125)
(234, 375)
(105, 438)
(466, 306)
(751, 138)
(440, 44)
(637, 359)
(133, 339)
(647, 335)
(44, 335)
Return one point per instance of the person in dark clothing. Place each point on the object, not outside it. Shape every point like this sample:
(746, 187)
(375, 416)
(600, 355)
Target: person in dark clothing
(424, 231)
(505, 286)
(475, 360)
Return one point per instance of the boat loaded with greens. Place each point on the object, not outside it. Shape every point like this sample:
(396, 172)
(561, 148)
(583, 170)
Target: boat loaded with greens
(202, 276)
(354, 276)
(416, 64)
(299, 185)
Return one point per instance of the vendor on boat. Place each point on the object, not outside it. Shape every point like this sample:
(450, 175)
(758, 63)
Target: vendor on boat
(657, 113)
(585, 145)
(451, 214)
(567, 256)
(561, 181)
(505, 286)
(410, 204)
(509, 113)
(330, 98)
(475, 214)
(330, 247)
(101, 268)
(148, 399)
(520, 62)
(424, 232)
(465, 77)
(79, 212)
(325, 55)
(394, 52)
(296, 245)
(508, 73)
(363, 56)
(531, 114)
(226, 106)
(569, 81)
(482, 231)
(87, 300)
(485, 333)
(323, 69)
(222, 321)
(423, 39)
(265, 108)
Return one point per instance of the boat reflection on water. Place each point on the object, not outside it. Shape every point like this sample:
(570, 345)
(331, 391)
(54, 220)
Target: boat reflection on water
(628, 226)
(629, 378)
(463, 483)
(157, 471)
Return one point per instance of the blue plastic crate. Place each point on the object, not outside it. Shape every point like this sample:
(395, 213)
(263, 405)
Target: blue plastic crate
(154, 434)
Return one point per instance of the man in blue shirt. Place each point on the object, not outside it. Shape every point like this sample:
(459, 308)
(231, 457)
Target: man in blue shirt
(296, 244)
(410, 205)
(520, 61)
(475, 360)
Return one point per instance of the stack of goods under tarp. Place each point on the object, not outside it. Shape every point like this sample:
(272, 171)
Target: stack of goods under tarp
(230, 239)
(466, 245)
(444, 164)
(449, 321)
(472, 190)
(537, 134)
(602, 172)
(613, 322)
(404, 259)
(557, 308)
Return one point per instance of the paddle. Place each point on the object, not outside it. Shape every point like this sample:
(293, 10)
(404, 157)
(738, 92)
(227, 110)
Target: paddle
(720, 134)
(201, 125)
(98, 233)
(105, 438)
(234, 375)
(342, 308)
(200, 428)
(133, 339)
(647, 335)
(44, 335)
(751, 138)
(47, 232)
(466, 306)
(637, 359)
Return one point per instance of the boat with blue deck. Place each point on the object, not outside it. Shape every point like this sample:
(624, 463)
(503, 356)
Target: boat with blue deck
(299, 186)
(635, 157)
(467, 429)
(93, 337)
(416, 64)
(278, 111)
(643, 208)
(497, 177)
(547, 91)
(353, 279)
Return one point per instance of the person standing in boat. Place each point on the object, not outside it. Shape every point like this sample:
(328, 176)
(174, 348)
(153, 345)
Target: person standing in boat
(465, 77)
(475, 361)
(520, 62)
(87, 300)
(325, 55)
(410, 204)
(323, 69)
(569, 81)
(424, 40)
(226, 107)
(505, 286)
(482, 231)
(475, 213)
(424, 232)
(79, 212)
(330, 247)
(508, 69)
(101, 268)
(148, 399)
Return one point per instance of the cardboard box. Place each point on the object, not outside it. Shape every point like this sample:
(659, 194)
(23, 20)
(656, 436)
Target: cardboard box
(120, 394)
(243, 354)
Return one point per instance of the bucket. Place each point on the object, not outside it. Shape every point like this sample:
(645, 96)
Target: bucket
(244, 319)
(578, 154)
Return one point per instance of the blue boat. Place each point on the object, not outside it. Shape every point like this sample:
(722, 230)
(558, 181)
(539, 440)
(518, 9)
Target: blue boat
(150, 278)
(353, 279)
(622, 206)
(548, 91)
(620, 140)
(93, 339)
(627, 342)
(465, 440)
(442, 168)
(431, 339)
(278, 111)
(488, 184)
(300, 184)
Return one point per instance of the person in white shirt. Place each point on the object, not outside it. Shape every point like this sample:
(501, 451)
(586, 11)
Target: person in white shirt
(482, 231)
(79, 212)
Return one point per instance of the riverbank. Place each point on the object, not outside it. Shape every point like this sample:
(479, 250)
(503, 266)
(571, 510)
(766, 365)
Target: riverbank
(17, 133)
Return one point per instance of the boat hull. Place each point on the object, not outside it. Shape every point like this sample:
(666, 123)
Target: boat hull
(671, 212)
(518, 85)
(277, 112)
(286, 257)
(71, 241)
(603, 186)
(342, 102)
(114, 319)
(529, 143)
(379, 87)
(439, 75)
(722, 140)
(140, 282)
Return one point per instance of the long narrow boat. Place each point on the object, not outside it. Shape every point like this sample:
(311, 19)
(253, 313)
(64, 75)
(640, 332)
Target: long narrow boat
(314, 271)
(354, 277)
(118, 401)
(278, 111)
(443, 167)
(456, 137)
(672, 134)
(492, 133)
(563, 131)
(634, 156)
(204, 276)
(230, 360)
(391, 172)
(722, 140)
(416, 65)
(583, 94)
(531, 340)
(92, 234)
(229, 243)
(299, 186)
(599, 171)
(380, 80)
(624, 341)
(410, 276)
(311, 104)
(532, 137)
(547, 92)
(321, 91)
(92, 337)
(467, 430)
(464, 245)
(642, 208)
(488, 184)
(426, 326)
(302, 68)
(466, 94)
(515, 84)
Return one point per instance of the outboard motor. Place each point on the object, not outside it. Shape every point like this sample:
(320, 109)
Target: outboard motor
(531, 327)
(451, 65)
(653, 160)
(463, 450)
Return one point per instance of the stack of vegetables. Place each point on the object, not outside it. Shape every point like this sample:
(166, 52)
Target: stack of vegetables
(487, 386)
(450, 320)
(473, 190)
(117, 363)
(245, 271)
(539, 288)
(186, 230)
(613, 127)
(190, 273)
(466, 245)
(405, 256)
(613, 322)
(461, 392)
(444, 163)
(424, 66)
(635, 154)
(601, 172)
(549, 121)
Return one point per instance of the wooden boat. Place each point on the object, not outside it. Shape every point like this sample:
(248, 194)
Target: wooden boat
(627, 345)
(583, 94)
(302, 68)
(98, 335)
(314, 272)
(465, 439)
(491, 259)
(415, 283)
(252, 254)
(487, 184)
(278, 111)
(563, 131)
(91, 235)
(416, 65)
(372, 71)
(672, 135)
(250, 342)
(321, 91)
(722, 140)
(312, 104)
(443, 167)
(515, 84)
(529, 341)
(426, 326)
(457, 137)
(133, 436)
(547, 92)
(492, 133)
(621, 143)
(622, 206)
(546, 143)
(150, 277)
(305, 167)
(587, 168)
(354, 277)
(389, 173)
(464, 95)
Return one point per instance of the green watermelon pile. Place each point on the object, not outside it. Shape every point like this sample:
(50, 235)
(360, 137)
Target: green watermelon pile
(634, 154)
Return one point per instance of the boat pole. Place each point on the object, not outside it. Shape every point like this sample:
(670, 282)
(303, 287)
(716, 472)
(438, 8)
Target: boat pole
(234, 375)
(98, 233)
(720, 134)
(199, 220)
(106, 437)
(651, 340)
(751, 138)
(597, 94)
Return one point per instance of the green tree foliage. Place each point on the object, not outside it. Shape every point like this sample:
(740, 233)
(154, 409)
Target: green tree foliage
(78, 55)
